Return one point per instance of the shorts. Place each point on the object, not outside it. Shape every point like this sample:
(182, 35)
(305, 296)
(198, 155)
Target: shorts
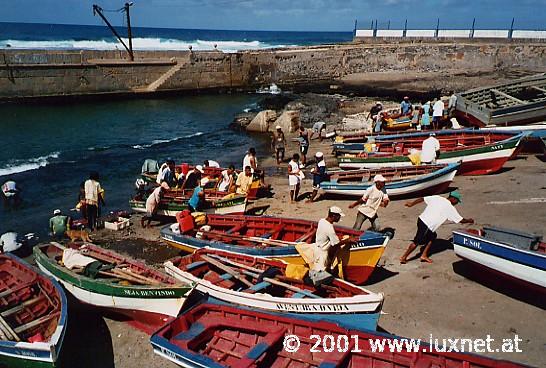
(279, 150)
(293, 186)
(423, 235)
(304, 149)
(436, 119)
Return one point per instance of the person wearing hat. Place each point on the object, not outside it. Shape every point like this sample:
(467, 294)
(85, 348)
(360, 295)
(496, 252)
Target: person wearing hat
(250, 159)
(327, 243)
(430, 150)
(405, 107)
(319, 175)
(374, 197)
(437, 113)
(438, 211)
(278, 144)
(58, 224)
(193, 178)
(244, 181)
(294, 177)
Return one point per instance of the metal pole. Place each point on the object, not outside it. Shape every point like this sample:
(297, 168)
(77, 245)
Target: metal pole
(98, 10)
(437, 28)
(354, 31)
(405, 29)
(389, 24)
(511, 32)
(129, 34)
(472, 31)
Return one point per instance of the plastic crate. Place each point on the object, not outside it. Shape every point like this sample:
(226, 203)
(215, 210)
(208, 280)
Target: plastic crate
(121, 223)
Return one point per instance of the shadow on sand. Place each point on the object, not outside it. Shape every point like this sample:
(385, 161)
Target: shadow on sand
(502, 284)
(87, 342)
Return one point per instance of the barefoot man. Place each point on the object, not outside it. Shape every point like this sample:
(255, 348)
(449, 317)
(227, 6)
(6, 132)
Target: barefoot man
(438, 211)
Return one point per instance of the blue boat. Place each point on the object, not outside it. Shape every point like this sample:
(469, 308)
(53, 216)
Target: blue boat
(516, 255)
(245, 283)
(402, 182)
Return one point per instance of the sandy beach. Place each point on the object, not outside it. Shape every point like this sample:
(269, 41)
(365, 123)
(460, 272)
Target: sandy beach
(445, 299)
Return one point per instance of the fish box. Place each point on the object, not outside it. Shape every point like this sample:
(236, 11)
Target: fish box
(121, 223)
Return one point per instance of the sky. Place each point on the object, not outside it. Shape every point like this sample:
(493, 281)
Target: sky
(289, 15)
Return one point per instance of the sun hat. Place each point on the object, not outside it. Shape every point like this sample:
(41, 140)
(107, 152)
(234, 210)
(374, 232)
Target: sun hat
(337, 210)
(319, 154)
(278, 127)
(432, 134)
(57, 212)
(379, 177)
(455, 194)
(200, 169)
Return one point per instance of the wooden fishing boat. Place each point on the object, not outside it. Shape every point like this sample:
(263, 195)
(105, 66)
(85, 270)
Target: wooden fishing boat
(216, 202)
(476, 159)
(516, 102)
(211, 335)
(449, 139)
(239, 280)
(513, 254)
(276, 237)
(126, 287)
(402, 182)
(33, 315)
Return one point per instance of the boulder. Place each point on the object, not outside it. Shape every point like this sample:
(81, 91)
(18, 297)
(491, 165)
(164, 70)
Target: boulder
(289, 121)
(263, 122)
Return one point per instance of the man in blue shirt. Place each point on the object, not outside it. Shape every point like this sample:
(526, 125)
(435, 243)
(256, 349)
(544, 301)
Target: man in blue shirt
(405, 107)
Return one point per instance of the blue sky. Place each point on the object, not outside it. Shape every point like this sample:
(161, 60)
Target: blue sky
(304, 15)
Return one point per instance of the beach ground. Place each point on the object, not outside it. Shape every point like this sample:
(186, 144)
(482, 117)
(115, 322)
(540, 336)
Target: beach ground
(445, 299)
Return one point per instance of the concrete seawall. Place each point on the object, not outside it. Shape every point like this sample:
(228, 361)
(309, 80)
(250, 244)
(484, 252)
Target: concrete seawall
(38, 73)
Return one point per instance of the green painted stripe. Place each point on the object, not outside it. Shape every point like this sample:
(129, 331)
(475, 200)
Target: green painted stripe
(105, 287)
(443, 155)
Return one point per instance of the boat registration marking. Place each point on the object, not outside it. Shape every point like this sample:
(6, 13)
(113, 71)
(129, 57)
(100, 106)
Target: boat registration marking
(472, 242)
(132, 292)
(312, 307)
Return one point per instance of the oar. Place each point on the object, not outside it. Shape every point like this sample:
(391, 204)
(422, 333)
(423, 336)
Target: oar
(227, 269)
(270, 280)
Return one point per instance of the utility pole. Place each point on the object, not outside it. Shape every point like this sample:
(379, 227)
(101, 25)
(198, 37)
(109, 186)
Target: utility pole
(98, 10)
(129, 34)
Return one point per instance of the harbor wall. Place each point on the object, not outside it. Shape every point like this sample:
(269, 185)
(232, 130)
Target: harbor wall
(45, 73)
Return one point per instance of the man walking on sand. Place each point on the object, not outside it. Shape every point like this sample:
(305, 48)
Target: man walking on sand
(319, 175)
(294, 177)
(438, 211)
(437, 113)
(374, 197)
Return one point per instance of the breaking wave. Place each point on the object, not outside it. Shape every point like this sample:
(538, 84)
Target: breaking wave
(138, 44)
(156, 142)
(18, 166)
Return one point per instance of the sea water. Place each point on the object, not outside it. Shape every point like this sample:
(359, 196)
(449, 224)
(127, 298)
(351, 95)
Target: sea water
(49, 149)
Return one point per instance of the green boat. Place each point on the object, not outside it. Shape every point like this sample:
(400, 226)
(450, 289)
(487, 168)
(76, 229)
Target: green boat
(146, 296)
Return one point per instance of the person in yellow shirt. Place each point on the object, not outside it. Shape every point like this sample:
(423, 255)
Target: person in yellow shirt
(244, 181)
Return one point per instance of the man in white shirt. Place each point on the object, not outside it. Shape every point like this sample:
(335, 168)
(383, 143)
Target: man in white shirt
(327, 243)
(437, 113)
(226, 179)
(452, 104)
(430, 150)
(438, 211)
(93, 196)
(294, 178)
(374, 197)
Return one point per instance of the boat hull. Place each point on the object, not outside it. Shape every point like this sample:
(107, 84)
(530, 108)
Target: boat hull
(359, 311)
(423, 185)
(477, 161)
(363, 257)
(228, 207)
(145, 305)
(526, 266)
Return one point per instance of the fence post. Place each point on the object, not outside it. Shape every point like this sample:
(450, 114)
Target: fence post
(437, 28)
(472, 30)
(354, 31)
(389, 24)
(511, 32)
(405, 29)
(375, 29)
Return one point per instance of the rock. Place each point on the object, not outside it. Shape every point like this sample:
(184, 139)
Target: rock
(241, 121)
(262, 121)
(289, 121)
(275, 102)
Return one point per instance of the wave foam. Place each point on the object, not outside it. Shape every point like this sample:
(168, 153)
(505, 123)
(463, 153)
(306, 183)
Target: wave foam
(156, 142)
(18, 166)
(140, 44)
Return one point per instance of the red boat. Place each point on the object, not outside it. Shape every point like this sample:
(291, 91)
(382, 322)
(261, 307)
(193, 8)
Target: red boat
(218, 336)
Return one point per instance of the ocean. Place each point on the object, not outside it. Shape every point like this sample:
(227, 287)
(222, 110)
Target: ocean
(57, 36)
(49, 149)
